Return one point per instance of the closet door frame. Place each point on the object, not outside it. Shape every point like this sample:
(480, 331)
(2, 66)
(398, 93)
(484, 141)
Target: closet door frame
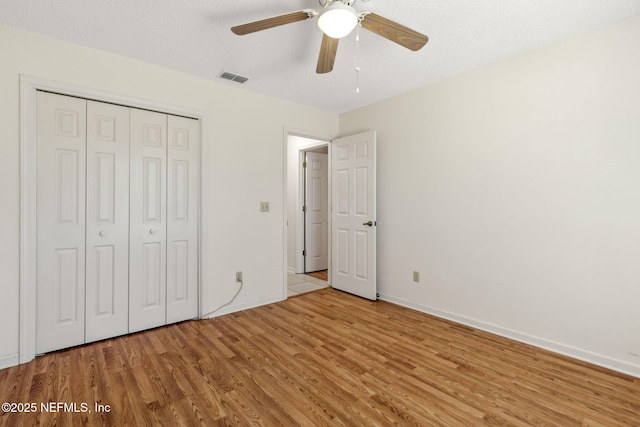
(29, 85)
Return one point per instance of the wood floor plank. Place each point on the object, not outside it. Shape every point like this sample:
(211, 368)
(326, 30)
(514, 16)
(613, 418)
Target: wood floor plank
(324, 358)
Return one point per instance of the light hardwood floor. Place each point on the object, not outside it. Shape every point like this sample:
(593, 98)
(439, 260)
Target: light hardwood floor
(322, 359)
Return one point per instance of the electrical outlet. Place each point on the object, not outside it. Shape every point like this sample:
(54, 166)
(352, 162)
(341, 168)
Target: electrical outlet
(238, 276)
(264, 206)
(416, 276)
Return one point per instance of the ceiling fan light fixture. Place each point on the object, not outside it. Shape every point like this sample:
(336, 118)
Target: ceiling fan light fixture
(338, 20)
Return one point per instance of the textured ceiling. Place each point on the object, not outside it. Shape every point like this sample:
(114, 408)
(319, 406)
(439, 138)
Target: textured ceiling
(194, 37)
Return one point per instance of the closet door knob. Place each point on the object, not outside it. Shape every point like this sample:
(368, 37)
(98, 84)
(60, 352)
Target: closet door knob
(101, 233)
(152, 231)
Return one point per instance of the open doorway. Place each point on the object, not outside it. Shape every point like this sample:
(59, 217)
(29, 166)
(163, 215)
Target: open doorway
(352, 221)
(308, 260)
(315, 211)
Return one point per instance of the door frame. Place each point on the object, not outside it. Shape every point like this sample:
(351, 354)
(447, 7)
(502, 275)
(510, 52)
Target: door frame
(29, 85)
(320, 140)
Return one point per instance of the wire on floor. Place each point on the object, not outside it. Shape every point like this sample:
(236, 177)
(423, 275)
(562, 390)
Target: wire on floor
(225, 304)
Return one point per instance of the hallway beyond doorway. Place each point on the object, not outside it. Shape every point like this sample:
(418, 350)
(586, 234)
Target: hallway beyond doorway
(322, 274)
(298, 284)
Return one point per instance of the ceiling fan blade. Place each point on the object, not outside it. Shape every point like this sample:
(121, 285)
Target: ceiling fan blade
(395, 32)
(276, 21)
(327, 56)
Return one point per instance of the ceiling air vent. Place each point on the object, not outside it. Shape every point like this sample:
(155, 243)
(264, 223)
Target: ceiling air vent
(233, 77)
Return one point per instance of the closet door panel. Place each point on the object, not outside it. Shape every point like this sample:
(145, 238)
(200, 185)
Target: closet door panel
(60, 221)
(107, 279)
(182, 222)
(148, 220)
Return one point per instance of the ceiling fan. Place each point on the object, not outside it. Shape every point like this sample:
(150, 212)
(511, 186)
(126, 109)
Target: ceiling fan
(336, 20)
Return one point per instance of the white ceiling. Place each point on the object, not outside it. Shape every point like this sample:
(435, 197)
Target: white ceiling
(194, 37)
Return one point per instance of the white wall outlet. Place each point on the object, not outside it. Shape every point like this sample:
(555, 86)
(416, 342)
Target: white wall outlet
(416, 276)
(264, 206)
(238, 276)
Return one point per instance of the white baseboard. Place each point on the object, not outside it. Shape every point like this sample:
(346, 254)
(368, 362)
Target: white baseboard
(9, 360)
(246, 305)
(291, 270)
(556, 347)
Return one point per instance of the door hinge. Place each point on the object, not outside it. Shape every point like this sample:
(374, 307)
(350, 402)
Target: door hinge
(304, 165)
(304, 252)
(304, 208)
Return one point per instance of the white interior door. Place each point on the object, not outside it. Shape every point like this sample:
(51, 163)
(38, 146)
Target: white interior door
(107, 221)
(316, 214)
(148, 222)
(182, 219)
(353, 196)
(60, 238)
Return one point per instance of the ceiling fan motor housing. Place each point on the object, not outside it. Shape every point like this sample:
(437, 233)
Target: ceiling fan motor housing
(327, 3)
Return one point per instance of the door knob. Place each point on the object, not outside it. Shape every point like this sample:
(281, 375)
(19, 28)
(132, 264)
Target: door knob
(101, 233)
(152, 231)
(369, 224)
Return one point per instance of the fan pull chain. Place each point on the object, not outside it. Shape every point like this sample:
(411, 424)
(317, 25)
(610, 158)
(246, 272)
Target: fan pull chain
(358, 58)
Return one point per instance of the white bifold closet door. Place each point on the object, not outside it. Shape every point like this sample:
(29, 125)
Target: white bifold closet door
(117, 220)
(148, 220)
(60, 221)
(107, 221)
(164, 220)
(182, 218)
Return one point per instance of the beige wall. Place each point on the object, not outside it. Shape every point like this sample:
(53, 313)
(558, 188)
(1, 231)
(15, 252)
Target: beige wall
(514, 190)
(245, 163)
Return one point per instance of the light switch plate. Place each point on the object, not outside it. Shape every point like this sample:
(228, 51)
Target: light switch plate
(264, 206)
